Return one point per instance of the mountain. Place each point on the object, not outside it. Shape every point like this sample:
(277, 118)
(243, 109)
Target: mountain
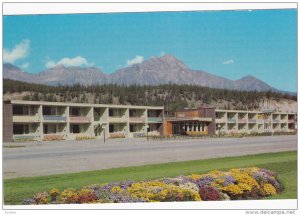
(72, 75)
(249, 82)
(10, 71)
(57, 75)
(154, 71)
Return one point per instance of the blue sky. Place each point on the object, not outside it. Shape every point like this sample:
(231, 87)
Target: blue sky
(232, 44)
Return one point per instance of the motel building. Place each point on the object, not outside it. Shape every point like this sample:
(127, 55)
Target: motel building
(39, 121)
(46, 121)
(210, 121)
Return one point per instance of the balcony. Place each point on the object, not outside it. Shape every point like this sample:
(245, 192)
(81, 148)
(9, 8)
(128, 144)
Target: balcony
(275, 121)
(221, 120)
(252, 120)
(54, 118)
(79, 119)
(155, 119)
(291, 121)
(260, 121)
(231, 120)
(26, 118)
(116, 119)
(137, 119)
(242, 120)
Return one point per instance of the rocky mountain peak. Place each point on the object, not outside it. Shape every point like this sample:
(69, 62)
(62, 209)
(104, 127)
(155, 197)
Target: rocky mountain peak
(154, 71)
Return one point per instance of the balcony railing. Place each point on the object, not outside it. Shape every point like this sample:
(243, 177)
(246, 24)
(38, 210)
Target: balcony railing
(116, 119)
(26, 118)
(231, 120)
(275, 120)
(221, 120)
(252, 120)
(155, 119)
(242, 120)
(54, 118)
(291, 121)
(79, 119)
(137, 119)
(260, 121)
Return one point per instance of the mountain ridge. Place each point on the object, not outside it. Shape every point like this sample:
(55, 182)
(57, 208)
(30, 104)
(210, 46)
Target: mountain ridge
(154, 71)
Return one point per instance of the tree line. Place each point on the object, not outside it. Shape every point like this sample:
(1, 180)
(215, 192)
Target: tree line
(172, 96)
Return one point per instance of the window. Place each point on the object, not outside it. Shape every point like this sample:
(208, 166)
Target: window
(111, 128)
(132, 128)
(50, 129)
(75, 129)
(132, 113)
(47, 110)
(75, 111)
(20, 129)
(20, 110)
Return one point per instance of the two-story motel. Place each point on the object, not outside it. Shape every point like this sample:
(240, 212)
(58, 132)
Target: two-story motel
(35, 120)
(32, 120)
(212, 121)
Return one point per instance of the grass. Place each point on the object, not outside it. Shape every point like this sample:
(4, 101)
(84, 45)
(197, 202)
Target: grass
(13, 146)
(284, 163)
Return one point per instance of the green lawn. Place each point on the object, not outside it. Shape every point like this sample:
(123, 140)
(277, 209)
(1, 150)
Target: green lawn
(284, 163)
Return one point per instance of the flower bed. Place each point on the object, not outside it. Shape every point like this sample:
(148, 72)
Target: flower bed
(78, 138)
(117, 135)
(53, 137)
(197, 133)
(235, 184)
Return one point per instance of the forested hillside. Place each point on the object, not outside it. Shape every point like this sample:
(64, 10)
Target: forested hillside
(172, 96)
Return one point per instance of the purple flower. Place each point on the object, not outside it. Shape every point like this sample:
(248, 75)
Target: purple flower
(268, 172)
(121, 198)
(229, 180)
(265, 178)
(178, 180)
(204, 181)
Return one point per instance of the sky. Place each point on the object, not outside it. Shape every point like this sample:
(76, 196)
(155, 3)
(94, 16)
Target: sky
(231, 44)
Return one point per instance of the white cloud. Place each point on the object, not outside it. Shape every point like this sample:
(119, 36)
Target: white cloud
(137, 59)
(67, 62)
(18, 52)
(25, 65)
(228, 61)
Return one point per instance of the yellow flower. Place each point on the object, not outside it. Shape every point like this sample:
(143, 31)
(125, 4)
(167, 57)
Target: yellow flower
(245, 179)
(269, 189)
(216, 173)
(195, 176)
(153, 191)
(233, 189)
(244, 187)
(116, 189)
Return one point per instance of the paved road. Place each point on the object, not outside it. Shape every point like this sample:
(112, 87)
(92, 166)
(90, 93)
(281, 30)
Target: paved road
(75, 156)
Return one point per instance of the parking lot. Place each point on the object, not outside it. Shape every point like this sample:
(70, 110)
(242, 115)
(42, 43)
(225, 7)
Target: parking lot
(47, 158)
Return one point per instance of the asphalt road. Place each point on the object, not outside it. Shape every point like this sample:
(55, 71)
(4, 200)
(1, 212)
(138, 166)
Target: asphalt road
(74, 156)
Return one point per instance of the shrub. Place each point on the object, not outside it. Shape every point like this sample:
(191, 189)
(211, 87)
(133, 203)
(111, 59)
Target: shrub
(53, 194)
(86, 195)
(209, 193)
(41, 198)
(69, 196)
